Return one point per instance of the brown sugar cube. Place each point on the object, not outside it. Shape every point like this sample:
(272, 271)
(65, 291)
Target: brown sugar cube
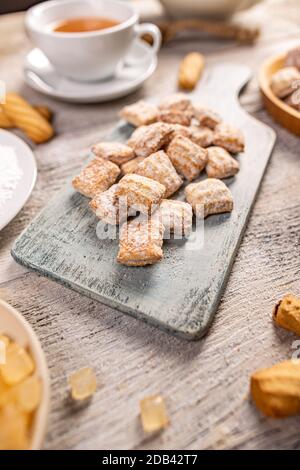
(210, 196)
(96, 177)
(139, 193)
(283, 81)
(202, 136)
(293, 58)
(148, 139)
(139, 113)
(106, 208)
(113, 151)
(220, 163)
(140, 242)
(287, 313)
(188, 158)
(229, 138)
(176, 217)
(176, 102)
(153, 413)
(175, 117)
(158, 167)
(207, 117)
(83, 383)
(130, 167)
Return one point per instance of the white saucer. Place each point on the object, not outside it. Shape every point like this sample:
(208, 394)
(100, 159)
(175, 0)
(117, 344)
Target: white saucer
(18, 175)
(139, 65)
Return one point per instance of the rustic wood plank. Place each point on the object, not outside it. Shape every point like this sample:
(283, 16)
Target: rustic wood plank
(180, 294)
(206, 383)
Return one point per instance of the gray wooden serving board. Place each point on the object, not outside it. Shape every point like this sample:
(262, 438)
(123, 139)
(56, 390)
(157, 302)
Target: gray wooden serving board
(181, 293)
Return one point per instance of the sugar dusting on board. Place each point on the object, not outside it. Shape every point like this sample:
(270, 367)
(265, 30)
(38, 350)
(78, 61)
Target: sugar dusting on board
(10, 174)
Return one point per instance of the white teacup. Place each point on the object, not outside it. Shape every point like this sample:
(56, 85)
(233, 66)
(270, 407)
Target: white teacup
(92, 55)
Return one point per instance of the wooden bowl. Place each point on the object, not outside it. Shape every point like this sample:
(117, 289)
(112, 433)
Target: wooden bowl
(285, 115)
(14, 325)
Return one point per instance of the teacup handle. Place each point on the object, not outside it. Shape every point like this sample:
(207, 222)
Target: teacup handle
(149, 28)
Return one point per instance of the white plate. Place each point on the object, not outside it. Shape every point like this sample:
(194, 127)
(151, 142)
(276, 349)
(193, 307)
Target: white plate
(140, 64)
(15, 190)
(14, 325)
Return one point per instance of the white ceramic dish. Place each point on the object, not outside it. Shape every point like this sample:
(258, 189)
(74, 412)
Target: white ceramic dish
(140, 65)
(13, 195)
(206, 8)
(14, 325)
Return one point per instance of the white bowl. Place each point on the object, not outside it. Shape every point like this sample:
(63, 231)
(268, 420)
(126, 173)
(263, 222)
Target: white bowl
(14, 325)
(205, 8)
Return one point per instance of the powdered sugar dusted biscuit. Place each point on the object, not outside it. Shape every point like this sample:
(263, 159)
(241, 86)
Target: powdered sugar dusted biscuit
(148, 139)
(176, 217)
(175, 117)
(105, 205)
(141, 242)
(206, 117)
(293, 58)
(294, 99)
(176, 102)
(210, 196)
(96, 177)
(158, 166)
(177, 129)
(202, 136)
(113, 151)
(220, 163)
(139, 113)
(188, 158)
(229, 138)
(283, 81)
(131, 166)
(139, 193)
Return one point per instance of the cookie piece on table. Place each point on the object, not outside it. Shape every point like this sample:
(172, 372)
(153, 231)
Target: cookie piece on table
(229, 138)
(158, 167)
(188, 158)
(139, 193)
(202, 136)
(207, 117)
(148, 139)
(220, 163)
(141, 242)
(176, 217)
(105, 206)
(130, 167)
(139, 113)
(282, 82)
(210, 196)
(176, 102)
(114, 151)
(175, 117)
(96, 177)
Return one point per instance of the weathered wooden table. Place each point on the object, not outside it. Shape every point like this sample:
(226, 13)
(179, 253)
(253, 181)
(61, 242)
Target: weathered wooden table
(205, 383)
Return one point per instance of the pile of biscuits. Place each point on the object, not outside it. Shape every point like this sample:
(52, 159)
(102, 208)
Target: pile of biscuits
(285, 83)
(172, 143)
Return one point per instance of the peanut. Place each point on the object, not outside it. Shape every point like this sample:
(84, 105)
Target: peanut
(190, 70)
